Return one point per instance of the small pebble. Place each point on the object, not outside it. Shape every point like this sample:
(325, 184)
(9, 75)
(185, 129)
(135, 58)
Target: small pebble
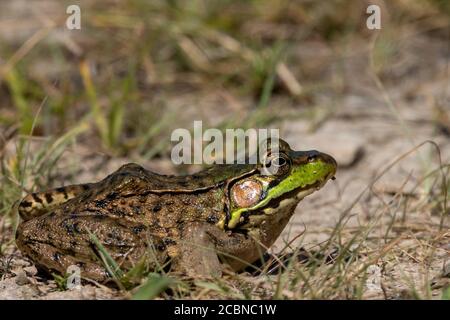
(21, 278)
(30, 271)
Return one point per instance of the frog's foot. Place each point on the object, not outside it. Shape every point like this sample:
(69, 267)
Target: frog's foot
(198, 257)
(37, 203)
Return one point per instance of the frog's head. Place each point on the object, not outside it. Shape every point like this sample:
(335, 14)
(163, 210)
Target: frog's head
(283, 179)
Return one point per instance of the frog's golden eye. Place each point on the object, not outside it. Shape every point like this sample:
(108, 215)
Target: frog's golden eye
(247, 193)
(277, 164)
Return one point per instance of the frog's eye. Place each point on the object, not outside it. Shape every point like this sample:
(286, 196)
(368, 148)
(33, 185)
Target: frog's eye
(278, 161)
(277, 164)
(247, 193)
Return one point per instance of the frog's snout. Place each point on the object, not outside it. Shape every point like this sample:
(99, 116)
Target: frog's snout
(329, 160)
(332, 164)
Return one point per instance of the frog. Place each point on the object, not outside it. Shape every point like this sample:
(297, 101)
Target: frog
(222, 218)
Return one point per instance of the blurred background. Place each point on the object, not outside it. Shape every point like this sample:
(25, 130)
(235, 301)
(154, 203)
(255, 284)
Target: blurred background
(139, 69)
(75, 104)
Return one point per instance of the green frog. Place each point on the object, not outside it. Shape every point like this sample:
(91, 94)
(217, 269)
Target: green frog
(226, 216)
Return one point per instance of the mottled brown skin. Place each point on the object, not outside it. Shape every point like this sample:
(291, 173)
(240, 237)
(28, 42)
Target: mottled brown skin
(126, 212)
(139, 215)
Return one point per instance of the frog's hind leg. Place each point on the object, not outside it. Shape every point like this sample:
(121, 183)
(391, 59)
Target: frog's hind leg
(37, 203)
(55, 242)
(51, 259)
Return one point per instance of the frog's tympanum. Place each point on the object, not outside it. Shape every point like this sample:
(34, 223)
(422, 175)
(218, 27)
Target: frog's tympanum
(228, 215)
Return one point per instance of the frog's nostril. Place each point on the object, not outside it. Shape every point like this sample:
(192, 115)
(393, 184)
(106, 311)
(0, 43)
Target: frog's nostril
(311, 158)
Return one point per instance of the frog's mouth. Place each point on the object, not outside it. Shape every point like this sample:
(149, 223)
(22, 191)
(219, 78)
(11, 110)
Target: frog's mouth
(290, 197)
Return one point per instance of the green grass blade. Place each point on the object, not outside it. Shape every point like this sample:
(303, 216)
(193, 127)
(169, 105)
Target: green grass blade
(110, 264)
(446, 294)
(153, 287)
(17, 85)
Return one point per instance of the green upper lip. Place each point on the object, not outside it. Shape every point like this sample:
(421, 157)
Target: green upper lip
(300, 157)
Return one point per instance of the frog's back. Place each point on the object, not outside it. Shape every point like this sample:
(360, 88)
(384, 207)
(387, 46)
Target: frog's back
(132, 174)
(130, 181)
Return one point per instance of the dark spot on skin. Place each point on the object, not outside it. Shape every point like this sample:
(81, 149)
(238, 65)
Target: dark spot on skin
(48, 197)
(36, 198)
(111, 196)
(52, 214)
(115, 236)
(168, 241)
(56, 256)
(160, 247)
(63, 191)
(157, 207)
(136, 210)
(85, 187)
(70, 227)
(26, 204)
(100, 203)
(212, 219)
(119, 212)
(138, 229)
(77, 227)
(142, 199)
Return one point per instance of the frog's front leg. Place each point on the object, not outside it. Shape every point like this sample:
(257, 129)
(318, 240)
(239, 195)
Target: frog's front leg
(37, 203)
(237, 249)
(197, 255)
(204, 246)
